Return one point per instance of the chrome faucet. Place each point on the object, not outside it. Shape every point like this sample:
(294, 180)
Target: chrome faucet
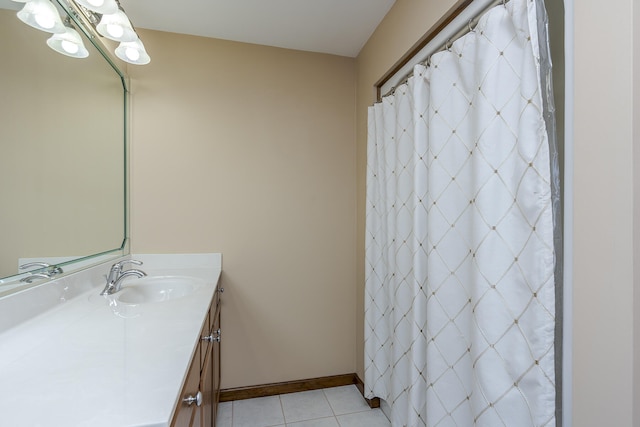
(116, 275)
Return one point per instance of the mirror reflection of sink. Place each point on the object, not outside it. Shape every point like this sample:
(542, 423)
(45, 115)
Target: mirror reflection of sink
(157, 289)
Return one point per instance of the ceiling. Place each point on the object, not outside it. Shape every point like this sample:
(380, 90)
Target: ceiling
(339, 27)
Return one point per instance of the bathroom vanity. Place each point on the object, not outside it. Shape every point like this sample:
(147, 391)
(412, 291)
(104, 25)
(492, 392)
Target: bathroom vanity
(149, 355)
(68, 356)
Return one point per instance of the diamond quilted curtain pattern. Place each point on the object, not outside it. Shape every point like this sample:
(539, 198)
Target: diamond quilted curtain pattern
(460, 292)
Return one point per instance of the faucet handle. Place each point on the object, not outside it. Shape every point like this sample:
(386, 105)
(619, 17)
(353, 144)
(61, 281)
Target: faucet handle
(35, 276)
(51, 270)
(34, 264)
(128, 261)
(116, 269)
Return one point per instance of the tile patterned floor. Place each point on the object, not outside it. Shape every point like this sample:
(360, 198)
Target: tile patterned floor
(330, 407)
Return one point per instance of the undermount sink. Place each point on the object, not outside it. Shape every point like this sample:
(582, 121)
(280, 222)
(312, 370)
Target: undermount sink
(158, 289)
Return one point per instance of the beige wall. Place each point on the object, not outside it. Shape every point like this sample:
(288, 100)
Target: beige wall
(248, 151)
(636, 214)
(603, 214)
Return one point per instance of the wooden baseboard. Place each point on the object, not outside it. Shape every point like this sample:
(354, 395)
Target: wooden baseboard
(286, 387)
(274, 389)
(373, 403)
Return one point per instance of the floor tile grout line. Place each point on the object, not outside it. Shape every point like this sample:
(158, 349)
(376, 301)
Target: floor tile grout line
(311, 419)
(326, 398)
(284, 417)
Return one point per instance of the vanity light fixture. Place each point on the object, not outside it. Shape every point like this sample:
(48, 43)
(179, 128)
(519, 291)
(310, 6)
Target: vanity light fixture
(68, 43)
(41, 14)
(105, 16)
(116, 26)
(100, 6)
(133, 52)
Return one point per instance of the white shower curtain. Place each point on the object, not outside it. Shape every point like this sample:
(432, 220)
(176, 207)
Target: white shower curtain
(460, 297)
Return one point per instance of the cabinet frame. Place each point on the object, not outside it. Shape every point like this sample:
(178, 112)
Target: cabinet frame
(203, 374)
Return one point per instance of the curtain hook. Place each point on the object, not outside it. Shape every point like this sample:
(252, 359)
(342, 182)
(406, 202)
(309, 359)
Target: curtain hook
(504, 3)
(447, 45)
(471, 29)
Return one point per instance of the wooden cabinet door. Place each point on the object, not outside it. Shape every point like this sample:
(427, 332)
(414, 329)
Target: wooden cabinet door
(203, 376)
(205, 342)
(210, 377)
(186, 413)
(206, 387)
(215, 361)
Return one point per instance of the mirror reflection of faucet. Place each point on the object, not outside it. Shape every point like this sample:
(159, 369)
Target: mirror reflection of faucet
(46, 271)
(34, 276)
(117, 275)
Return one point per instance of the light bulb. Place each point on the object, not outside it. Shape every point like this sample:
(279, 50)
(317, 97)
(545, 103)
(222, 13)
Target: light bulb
(45, 21)
(116, 26)
(132, 54)
(100, 6)
(68, 43)
(115, 30)
(69, 47)
(41, 14)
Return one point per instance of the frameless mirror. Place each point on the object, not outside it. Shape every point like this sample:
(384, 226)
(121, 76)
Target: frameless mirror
(62, 162)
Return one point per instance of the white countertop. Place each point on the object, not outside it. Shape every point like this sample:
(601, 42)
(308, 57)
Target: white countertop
(83, 362)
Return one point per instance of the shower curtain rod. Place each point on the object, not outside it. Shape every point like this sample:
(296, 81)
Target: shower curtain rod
(442, 25)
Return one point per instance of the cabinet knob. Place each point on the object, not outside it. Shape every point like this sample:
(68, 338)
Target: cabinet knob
(212, 338)
(215, 336)
(190, 400)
